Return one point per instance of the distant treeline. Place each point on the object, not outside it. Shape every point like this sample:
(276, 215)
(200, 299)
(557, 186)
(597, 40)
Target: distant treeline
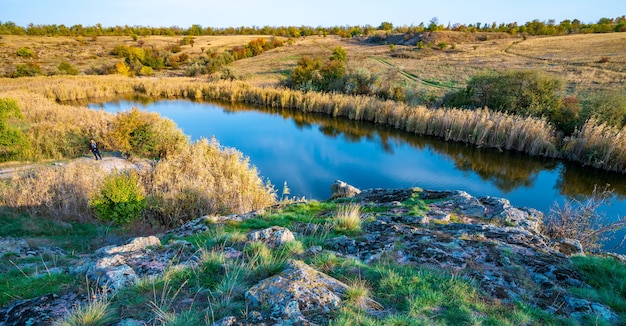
(535, 27)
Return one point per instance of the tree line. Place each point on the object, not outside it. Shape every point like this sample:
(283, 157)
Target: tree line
(535, 27)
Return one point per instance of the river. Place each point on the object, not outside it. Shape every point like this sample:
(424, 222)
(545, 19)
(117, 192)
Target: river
(310, 151)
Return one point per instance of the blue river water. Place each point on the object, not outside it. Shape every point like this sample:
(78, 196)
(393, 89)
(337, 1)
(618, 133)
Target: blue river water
(309, 152)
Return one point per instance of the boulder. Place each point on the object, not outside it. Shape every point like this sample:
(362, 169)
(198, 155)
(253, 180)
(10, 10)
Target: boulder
(299, 292)
(134, 245)
(273, 237)
(40, 311)
(500, 209)
(568, 247)
(340, 189)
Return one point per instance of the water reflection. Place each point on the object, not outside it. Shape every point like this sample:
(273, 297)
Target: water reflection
(507, 171)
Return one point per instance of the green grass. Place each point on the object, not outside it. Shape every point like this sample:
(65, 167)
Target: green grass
(607, 277)
(14, 285)
(418, 206)
(70, 236)
(422, 296)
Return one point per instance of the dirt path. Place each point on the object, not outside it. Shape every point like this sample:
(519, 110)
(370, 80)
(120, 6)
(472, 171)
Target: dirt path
(108, 163)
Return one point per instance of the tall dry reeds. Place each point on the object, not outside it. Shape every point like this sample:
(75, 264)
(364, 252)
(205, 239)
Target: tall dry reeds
(204, 178)
(56, 191)
(56, 130)
(483, 127)
(598, 145)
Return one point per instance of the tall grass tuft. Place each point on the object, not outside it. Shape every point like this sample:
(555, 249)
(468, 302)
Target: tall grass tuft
(95, 313)
(348, 218)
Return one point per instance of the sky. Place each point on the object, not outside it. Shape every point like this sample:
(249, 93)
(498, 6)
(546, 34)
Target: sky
(325, 13)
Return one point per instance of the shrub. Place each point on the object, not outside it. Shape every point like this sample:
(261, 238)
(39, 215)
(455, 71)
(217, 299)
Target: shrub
(526, 92)
(121, 51)
(605, 106)
(217, 62)
(122, 68)
(25, 52)
(13, 142)
(195, 70)
(27, 70)
(306, 75)
(145, 134)
(120, 200)
(315, 75)
(146, 71)
(66, 68)
(582, 221)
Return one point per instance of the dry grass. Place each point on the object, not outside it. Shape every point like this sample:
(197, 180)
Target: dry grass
(598, 145)
(60, 192)
(51, 51)
(205, 178)
(348, 218)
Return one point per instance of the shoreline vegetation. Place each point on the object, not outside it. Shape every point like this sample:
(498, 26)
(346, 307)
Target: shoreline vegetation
(597, 145)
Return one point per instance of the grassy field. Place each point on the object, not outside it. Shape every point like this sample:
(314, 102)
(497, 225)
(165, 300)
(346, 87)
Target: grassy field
(435, 72)
(86, 53)
(587, 61)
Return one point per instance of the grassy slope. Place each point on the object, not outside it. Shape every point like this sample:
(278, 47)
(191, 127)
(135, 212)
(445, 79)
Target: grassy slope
(575, 57)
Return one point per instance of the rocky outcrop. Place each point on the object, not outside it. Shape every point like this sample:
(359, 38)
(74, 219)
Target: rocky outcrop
(299, 295)
(492, 242)
(487, 240)
(116, 267)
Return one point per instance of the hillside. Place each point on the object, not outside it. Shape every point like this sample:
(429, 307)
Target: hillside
(447, 60)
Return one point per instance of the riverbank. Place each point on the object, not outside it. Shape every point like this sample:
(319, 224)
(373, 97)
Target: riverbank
(379, 255)
(598, 146)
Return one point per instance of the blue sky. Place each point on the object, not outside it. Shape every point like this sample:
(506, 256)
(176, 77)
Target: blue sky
(224, 13)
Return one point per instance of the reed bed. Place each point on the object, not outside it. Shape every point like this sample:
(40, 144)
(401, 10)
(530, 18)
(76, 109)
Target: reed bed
(204, 178)
(56, 191)
(59, 131)
(599, 145)
(483, 128)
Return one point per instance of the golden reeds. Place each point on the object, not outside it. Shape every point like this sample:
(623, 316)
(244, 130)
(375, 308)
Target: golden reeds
(482, 127)
(599, 145)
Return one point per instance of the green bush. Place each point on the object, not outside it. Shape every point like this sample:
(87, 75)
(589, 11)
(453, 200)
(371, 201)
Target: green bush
(25, 52)
(526, 92)
(145, 134)
(605, 106)
(27, 70)
(316, 75)
(66, 68)
(146, 71)
(13, 142)
(121, 199)
(217, 61)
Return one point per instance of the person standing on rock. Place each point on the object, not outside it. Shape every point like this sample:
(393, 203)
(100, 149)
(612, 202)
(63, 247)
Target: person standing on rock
(94, 149)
